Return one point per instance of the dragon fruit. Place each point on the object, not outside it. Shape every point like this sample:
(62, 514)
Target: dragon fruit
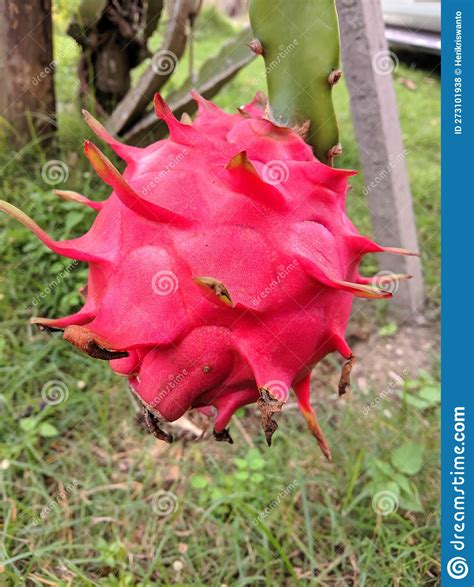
(222, 267)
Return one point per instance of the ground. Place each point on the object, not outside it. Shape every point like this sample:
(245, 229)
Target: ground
(89, 499)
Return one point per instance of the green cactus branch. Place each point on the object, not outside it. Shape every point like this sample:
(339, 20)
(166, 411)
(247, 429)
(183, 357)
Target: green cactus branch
(299, 41)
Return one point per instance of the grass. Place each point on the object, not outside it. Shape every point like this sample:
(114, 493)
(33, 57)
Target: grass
(88, 499)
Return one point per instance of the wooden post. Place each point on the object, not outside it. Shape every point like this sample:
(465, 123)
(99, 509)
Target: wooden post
(368, 67)
(27, 67)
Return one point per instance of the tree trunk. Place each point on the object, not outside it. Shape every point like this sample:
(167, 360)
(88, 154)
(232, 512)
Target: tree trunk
(113, 36)
(27, 67)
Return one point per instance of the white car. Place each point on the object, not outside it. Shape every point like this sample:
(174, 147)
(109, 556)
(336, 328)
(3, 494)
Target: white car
(413, 24)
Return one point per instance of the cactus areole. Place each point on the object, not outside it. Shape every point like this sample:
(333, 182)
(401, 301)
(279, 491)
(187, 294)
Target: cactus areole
(222, 267)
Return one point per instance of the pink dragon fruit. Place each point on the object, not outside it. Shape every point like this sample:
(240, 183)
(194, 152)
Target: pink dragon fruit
(222, 267)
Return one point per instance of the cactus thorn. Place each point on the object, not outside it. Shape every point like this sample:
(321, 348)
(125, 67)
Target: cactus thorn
(334, 76)
(333, 153)
(256, 47)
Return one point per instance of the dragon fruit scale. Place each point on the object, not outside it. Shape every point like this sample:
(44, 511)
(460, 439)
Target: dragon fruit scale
(222, 267)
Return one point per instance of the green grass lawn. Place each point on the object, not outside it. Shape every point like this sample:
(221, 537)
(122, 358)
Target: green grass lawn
(89, 499)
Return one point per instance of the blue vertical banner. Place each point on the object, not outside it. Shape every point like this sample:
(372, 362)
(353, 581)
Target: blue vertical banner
(457, 486)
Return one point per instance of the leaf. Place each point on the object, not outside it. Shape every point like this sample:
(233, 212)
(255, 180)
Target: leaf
(47, 430)
(241, 475)
(403, 482)
(427, 397)
(199, 482)
(410, 499)
(408, 458)
(241, 463)
(72, 220)
(213, 75)
(216, 494)
(28, 424)
(257, 478)
(389, 329)
(431, 393)
(383, 468)
(415, 401)
(257, 464)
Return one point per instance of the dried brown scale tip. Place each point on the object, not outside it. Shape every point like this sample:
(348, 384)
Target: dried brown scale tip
(333, 153)
(152, 424)
(85, 341)
(43, 326)
(268, 405)
(186, 119)
(223, 436)
(256, 47)
(303, 130)
(400, 251)
(318, 433)
(334, 76)
(345, 380)
(215, 286)
(261, 98)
